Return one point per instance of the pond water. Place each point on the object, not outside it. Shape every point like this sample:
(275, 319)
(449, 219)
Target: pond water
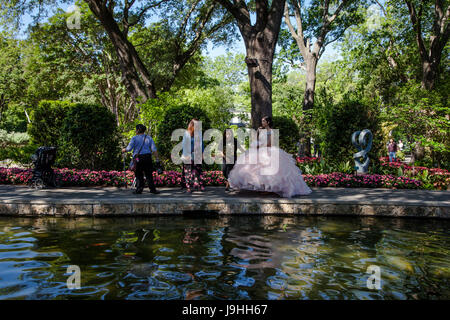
(231, 257)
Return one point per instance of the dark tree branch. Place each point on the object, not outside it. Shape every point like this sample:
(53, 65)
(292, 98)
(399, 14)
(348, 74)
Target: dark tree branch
(111, 6)
(181, 33)
(275, 14)
(440, 26)
(261, 14)
(328, 20)
(417, 28)
(430, 58)
(199, 31)
(325, 10)
(195, 44)
(392, 62)
(297, 35)
(127, 6)
(239, 11)
(144, 11)
(382, 7)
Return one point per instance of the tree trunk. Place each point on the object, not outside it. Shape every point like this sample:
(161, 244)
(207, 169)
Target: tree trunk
(130, 64)
(260, 40)
(308, 99)
(113, 98)
(259, 65)
(431, 57)
(429, 74)
(418, 151)
(2, 105)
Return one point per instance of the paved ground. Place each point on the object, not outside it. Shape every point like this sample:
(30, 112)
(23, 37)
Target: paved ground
(22, 194)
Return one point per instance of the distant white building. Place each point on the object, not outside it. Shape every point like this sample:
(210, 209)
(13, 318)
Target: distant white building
(240, 118)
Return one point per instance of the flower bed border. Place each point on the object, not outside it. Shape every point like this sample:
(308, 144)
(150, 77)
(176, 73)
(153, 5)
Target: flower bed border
(86, 178)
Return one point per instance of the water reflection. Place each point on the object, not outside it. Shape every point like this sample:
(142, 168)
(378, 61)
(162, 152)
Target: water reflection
(232, 257)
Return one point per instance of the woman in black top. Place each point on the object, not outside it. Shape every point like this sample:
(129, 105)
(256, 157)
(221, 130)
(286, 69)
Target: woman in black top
(226, 165)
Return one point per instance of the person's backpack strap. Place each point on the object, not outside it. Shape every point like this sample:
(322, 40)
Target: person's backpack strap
(142, 145)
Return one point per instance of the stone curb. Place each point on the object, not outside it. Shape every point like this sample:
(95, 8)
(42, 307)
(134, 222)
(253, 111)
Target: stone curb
(22, 201)
(129, 208)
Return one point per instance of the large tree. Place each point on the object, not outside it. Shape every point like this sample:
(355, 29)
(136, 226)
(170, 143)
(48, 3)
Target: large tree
(83, 62)
(317, 22)
(198, 17)
(195, 22)
(381, 61)
(438, 32)
(260, 40)
(134, 73)
(325, 21)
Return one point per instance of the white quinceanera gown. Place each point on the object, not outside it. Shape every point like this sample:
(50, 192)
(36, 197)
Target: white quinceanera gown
(268, 169)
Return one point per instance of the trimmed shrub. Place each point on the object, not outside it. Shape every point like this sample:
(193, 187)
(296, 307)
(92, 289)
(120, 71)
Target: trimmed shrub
(336, 123)
(289, 133)
(86, 135)
(90, 133)
(178, 117)
(47, 118)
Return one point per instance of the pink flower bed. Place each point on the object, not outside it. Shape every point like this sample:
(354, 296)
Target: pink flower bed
(72, 177)
(341, 180)
(435, 179)
(307, 159)
(397, 164)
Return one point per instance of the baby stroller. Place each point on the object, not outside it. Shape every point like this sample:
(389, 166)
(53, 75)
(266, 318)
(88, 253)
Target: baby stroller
(43, 174)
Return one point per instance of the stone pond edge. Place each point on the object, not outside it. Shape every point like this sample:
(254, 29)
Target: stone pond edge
(130, 208)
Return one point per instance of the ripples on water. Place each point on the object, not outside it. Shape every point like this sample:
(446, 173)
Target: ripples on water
(239, 257)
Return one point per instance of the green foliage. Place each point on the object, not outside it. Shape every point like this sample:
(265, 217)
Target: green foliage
(47, 119)
(287, 99)
(90, 131)
(326, 166)
(19, 154)
(152, 113)
(289, 133)
(399, 172)
(13, 138)
(11, 73)
(400, 155)
(227, 70)
(422, 116)
(224, 87)
(382, 62)
(159, 49)
(14, 119)
(14, 146)
(346, 167)
(77, 65)
(178, 117)
(336, 123)
(86, 135)
(214, 101)
(426, 179)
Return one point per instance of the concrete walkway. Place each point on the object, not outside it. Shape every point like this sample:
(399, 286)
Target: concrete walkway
(21, 200)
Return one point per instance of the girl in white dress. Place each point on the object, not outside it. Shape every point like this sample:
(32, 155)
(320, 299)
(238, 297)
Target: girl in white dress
(266, 173)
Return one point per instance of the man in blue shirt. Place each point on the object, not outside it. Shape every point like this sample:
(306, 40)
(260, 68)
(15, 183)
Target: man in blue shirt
(143, 147)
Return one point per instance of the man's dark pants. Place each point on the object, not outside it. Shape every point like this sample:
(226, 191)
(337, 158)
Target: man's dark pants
(144, 165)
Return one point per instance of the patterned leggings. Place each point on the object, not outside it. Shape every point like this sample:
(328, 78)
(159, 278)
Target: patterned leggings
(193, 176)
